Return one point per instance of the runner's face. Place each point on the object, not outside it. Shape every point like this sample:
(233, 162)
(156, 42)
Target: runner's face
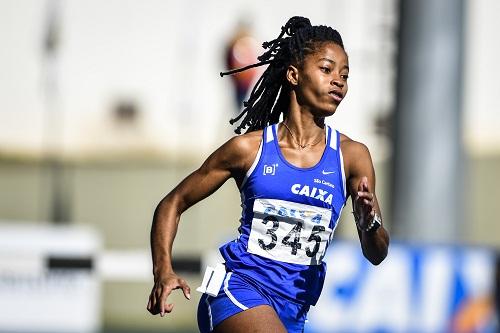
(322, 79)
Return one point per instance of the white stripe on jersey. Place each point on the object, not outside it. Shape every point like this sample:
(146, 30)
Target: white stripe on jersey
(269, 134)
(254, 165)
(343, 173)
(209, 313)
(333, 140)
(228, 293)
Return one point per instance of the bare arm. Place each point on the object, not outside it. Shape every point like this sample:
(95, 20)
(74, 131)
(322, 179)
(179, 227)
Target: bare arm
(230, 160)
(361, 187)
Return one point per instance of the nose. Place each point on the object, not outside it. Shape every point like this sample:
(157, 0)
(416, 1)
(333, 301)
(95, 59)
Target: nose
(336, 81)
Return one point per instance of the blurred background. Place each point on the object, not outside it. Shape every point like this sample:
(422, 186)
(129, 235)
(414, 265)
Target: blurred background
(107, 105)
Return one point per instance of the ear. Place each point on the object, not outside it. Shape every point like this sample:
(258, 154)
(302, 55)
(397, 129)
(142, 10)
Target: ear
(292, 75)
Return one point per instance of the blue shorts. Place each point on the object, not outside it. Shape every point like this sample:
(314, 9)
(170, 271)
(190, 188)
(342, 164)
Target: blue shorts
(239, 293)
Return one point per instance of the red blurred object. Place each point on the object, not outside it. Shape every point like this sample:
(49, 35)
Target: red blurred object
(241, 51)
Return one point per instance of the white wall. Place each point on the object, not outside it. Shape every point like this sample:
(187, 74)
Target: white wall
(166, 56)
(482, 71)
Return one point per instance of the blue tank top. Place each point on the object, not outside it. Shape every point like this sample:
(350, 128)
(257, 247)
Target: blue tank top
(288, 218)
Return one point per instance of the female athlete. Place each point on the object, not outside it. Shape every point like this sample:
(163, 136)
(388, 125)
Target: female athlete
(294, 174)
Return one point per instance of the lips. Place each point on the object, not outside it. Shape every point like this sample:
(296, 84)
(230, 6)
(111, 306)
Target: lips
(336, 95)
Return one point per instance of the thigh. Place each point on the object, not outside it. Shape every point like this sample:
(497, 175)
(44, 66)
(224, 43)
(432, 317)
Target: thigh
(259, 319)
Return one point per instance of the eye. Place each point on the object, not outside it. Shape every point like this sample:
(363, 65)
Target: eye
(326, 70)
(344, 77)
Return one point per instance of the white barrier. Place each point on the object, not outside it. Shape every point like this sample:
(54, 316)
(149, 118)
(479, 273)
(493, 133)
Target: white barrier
(48, 281)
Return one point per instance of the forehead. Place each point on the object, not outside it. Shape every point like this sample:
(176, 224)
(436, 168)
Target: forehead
(328, 50)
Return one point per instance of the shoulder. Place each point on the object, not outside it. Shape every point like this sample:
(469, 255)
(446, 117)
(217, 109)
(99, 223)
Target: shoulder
(240, 151)
(356, 155)
(246, 142)
(351, 147)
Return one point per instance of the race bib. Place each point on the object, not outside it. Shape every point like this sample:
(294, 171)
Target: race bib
(289, 231)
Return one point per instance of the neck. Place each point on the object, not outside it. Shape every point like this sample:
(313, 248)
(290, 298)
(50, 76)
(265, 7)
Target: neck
(302, 123)
(303, 134)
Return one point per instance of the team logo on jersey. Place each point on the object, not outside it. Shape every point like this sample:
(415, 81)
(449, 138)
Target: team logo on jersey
(313, 192)
(270, 169)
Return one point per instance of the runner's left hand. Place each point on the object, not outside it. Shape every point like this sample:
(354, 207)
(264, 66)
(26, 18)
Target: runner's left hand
(364, 203)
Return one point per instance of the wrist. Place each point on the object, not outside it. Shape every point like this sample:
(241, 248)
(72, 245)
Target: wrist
(372, 226)
(162, 269)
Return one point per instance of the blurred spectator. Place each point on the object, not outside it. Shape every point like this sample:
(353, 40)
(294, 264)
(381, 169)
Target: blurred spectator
(241, 51)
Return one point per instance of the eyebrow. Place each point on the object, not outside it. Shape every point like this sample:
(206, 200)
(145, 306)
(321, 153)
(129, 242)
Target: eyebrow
(333, 62)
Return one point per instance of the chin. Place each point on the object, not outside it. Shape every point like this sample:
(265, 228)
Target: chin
(324, 114)
(325, 110)
(330, 111)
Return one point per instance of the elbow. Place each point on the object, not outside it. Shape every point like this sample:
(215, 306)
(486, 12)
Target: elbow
(168, 203)
(376, 258)
(376, 253)
(375, 261)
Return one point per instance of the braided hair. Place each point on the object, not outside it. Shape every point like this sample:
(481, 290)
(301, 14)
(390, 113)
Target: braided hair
(270, 95)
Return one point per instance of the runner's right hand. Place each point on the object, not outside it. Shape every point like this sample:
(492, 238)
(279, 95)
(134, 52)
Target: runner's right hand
(165, 282)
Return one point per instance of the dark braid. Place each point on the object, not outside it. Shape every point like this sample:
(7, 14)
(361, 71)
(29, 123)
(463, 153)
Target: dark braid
(270, 95)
